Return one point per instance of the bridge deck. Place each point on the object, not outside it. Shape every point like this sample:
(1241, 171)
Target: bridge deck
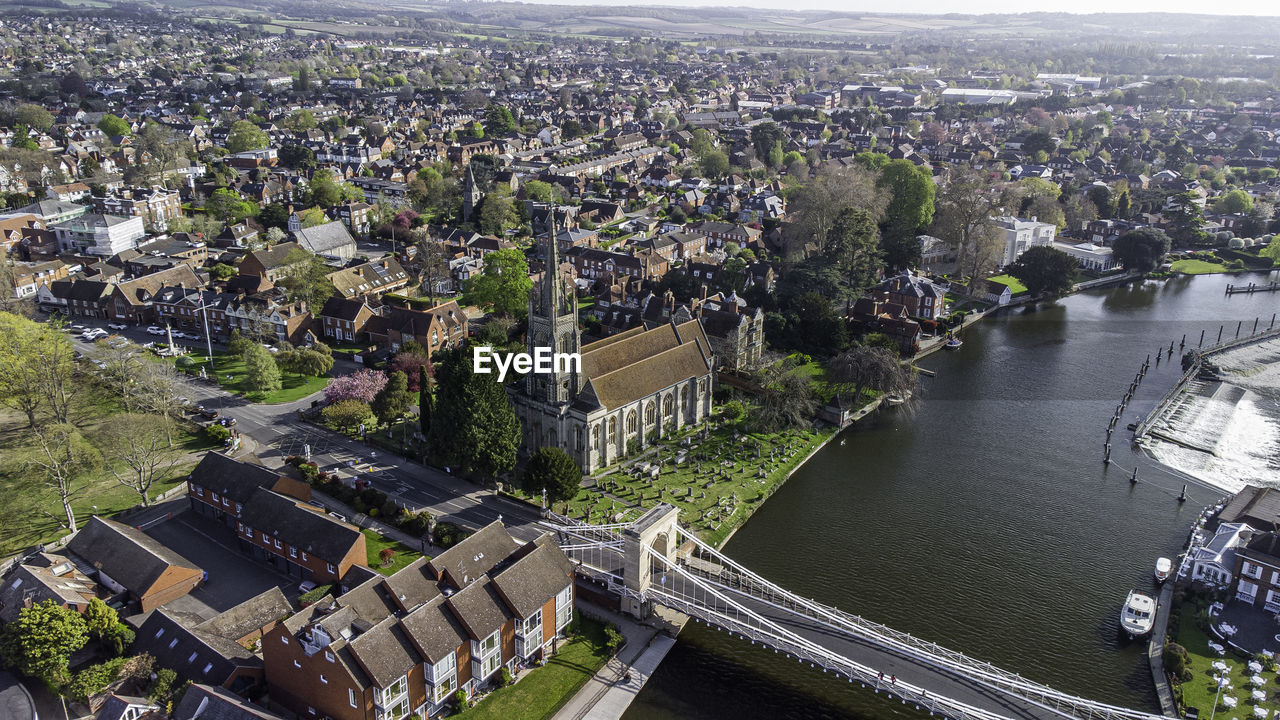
(909, 670)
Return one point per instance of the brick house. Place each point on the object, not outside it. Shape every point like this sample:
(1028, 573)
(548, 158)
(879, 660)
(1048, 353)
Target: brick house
(298, 539)
(443, 326)
(132, 301)
(1257, 571)
(718, 233)
(344, 319)
(156, 206)
(406, 643)
(370, 279)
(219, 486)
(268, 263)
(130, 562)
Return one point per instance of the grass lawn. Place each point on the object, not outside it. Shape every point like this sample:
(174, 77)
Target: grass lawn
(1200, 691)
(1014, 284)
(231, 376)
(539, 694)
(1197, 267)
(31, 512)
(374, 544)
(713, 497)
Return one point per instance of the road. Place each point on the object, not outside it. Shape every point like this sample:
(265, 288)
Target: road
(276, 432)
(15, 702)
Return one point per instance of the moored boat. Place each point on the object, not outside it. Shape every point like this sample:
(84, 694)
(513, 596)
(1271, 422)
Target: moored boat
(1164, 566)
(953, 343)
(1138, 615)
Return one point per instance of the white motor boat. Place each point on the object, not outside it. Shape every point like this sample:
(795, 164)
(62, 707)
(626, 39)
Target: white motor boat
(1164, 566)
(1138, 615)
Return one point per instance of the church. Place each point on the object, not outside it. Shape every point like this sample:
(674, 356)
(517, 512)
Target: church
(632, 388)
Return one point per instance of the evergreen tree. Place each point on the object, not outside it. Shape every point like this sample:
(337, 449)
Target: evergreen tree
(426, 402)
(473, 426)
(553, 471)
(393, 400)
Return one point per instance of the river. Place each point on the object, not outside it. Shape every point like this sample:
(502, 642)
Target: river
(985, 521)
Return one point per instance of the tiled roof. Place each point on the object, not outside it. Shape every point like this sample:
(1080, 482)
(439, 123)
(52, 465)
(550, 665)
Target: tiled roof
(293, 522)
(475, 556)
(126, 554)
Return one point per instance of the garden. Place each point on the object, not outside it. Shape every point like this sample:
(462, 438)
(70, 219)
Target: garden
(1190, 662)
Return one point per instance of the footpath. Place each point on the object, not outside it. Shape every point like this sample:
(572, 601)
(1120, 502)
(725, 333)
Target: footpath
(609, 693)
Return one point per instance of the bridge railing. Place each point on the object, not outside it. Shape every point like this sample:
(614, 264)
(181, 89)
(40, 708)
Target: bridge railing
(734, 576)
(735, 618)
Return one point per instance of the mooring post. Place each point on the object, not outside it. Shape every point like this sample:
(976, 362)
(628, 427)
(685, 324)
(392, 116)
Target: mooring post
(1201, 338)
(1255, 326)
(1238, 326)
(1133, 479)
(1184, 341)
(1183, 497)
(1106, 457)
(1220, 327)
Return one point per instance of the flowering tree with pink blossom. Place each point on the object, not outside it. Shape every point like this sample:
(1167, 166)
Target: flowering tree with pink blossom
(362, 385)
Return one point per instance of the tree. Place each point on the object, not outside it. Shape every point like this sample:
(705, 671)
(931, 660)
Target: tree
(853, 246)
(426, 401)
(472, 425)
(498, 212)
(714, 164)
(306, 279)
(300, 120)
(1234, 201)
(431, 267)
(786, 400)
(965, 206)
(1045, 271)
(347, 414)
(498, 121)
(412, 363)
(553, 471)
(245, 136)
(261, 374)
(816, 204)
(1141, 250)
(226, 205)
(158, 390)
(1186, 218)
(504, 285)
(297, 157)
(394, 399)
(864, 368)
(538, 191)
(99, 618)
(40, 642)
(138, 452)
(362, 385)
(765, 138)
(305, 361)
(62, 457)
(571, 129)
(36, 367)
(33, 116)
(114, 125)
(909, 210)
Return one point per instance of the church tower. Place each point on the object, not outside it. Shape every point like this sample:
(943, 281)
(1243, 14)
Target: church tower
(553, 323)
(471, 196)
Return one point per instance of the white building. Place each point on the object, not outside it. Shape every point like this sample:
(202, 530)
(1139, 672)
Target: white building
(1022, 235)
(1214, 562)
(1090, 256)
(103, 235)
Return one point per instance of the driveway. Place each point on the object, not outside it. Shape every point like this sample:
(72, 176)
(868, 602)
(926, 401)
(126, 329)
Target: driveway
(233, 578)
(15, 701)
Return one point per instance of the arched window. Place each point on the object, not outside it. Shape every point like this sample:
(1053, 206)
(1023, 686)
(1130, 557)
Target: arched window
(613, 431)
(650, 413)
(668, 407)
(631, 422)
(595, 436)
(578, 437)
(684, 399)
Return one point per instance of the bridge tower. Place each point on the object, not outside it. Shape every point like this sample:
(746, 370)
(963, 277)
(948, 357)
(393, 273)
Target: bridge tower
(655, 529)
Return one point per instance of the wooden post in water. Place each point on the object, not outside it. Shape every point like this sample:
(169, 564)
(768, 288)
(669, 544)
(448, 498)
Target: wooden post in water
(1183, 497)
(1201, 339)
(1106, 458)
(1184, 341)
(1255, 327)
(1238, 326)
(1133, 479)
(1220, 327)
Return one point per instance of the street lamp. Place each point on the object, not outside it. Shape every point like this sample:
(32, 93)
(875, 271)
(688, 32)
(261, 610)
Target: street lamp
(1222, 680)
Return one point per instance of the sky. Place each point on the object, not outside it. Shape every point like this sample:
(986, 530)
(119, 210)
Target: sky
(1237, 7)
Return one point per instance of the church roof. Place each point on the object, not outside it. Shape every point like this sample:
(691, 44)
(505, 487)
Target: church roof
(626, 367)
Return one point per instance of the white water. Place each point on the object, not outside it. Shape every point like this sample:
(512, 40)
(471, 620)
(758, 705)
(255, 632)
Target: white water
(1238, 420)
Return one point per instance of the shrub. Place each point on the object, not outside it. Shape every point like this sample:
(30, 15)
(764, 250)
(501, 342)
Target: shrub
(162, 687)
(386, 555)
(446, 535)
(1175, 658)
(217, 433)
(389, 509)
(461, 700)
(613, 638)
(118, 638)
(313, 595)
(94, 679)
(416, 523)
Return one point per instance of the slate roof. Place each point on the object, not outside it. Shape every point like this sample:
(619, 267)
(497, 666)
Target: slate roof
(205, 702)
(142, 290)
(34, 584)
(628, 366)
(528, 583)
(126, 554)
(326, 238)
(303, 528)
(385, 653)
(275, 255)
(468, 560)
(162, 627)
(480, 608)
(341, 308)
(253, 614)
(434, 629)
(231, 478)
(1257, 506)
(413, 585)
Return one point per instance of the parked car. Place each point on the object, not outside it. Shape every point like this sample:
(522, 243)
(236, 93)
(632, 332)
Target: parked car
(206, 413)
(227, 422)
(306, 586)
(153, 330)
(117, 326)
(178, 335)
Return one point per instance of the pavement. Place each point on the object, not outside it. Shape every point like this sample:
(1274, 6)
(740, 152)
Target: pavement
(276, 431)
(15, 702)
(608, 693)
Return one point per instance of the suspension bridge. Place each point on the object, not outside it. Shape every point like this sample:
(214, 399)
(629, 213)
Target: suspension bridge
(654, 561)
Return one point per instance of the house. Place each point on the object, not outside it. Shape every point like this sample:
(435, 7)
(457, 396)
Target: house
(1019, 235)
(269, 263)
(155, 205)
(371, 279)
(439, 328)
(127, 561)
(718, 233)
(1259, 507)
(408, 642)
(993, 292)
(216, 651)
(96, 234)
(207, 702)
(297, 539)
(355, 215)
(1214, 563)
(1257, 571)
(344, 319)
(133, 301)
(1090, 256)
(935, 252)
(219, 486)
(919, 295)
(124, 707)
(45, 577)
(329, 240)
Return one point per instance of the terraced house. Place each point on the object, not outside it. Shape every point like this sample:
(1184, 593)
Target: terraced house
(401, 646)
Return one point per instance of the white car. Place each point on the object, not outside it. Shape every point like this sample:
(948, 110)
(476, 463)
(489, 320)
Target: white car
(153, 330)
(93, 333)
(179, 335)
(117, 326)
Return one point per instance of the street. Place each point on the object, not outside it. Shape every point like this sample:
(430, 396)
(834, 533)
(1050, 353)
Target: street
(276, 432)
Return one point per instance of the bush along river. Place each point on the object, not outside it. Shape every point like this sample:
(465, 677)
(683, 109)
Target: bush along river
(985, 520)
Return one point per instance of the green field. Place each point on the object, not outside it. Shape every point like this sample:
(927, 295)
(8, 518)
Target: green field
(545, 690)
(374, 544)
(1014, 284)
(1201, 690)
(1197, 267)
(31, 512)
(231, 377)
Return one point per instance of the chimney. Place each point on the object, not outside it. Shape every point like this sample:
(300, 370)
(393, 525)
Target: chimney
(704, 292)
